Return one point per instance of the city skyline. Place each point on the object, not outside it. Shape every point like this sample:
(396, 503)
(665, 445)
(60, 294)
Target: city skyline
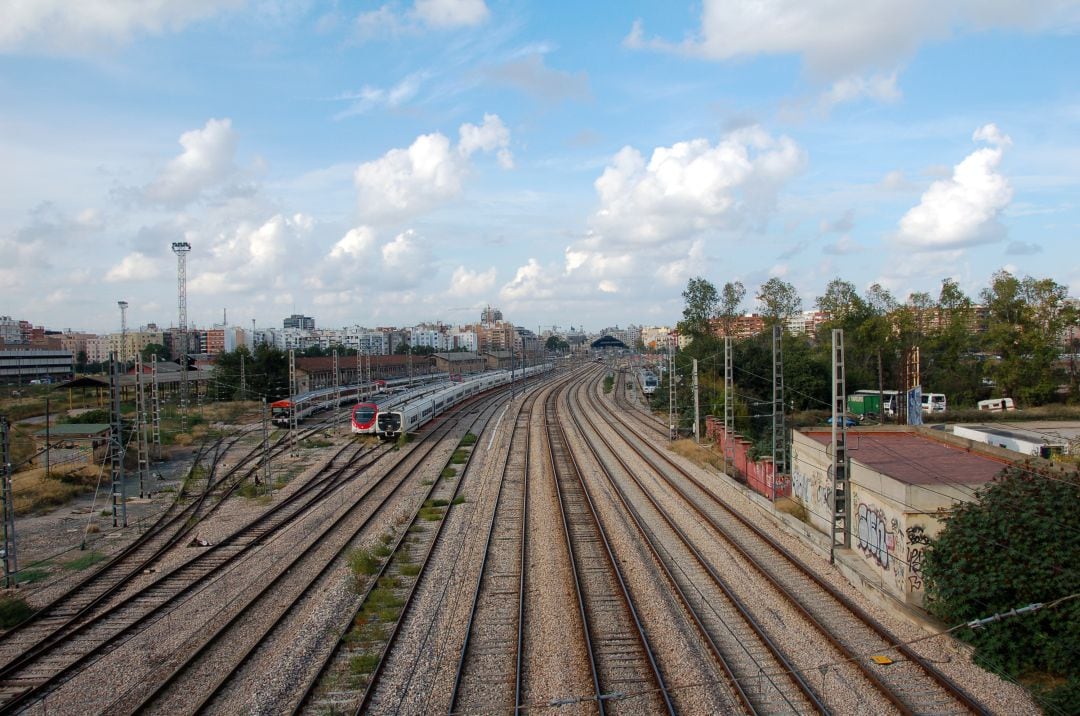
(416, 161)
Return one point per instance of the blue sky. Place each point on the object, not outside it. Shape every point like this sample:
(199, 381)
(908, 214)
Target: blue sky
(571, 163)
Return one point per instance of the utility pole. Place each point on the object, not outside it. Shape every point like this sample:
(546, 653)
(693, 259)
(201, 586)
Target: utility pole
(729, 409)
(266, 445)
(11, 563)
(292, 400)
(841, 512)
(123, 331)
(243, 379)
(181, 249)
(155, 412)
(337, 382)
(673, 421)
(116, 451)
(697, 407)
(779, 429)
(140, 427)
(48, 437)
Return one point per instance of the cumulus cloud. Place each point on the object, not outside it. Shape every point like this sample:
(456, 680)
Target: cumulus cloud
(408, 181)
(962, 210)
(356, 244)
(530, 282)
(468, 283)
(206, 161)
(836, 38)
(134, 267)
(67, 28)
(693, 186)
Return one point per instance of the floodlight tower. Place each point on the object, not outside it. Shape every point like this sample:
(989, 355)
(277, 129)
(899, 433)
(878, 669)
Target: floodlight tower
(181, 249)
(123, 331)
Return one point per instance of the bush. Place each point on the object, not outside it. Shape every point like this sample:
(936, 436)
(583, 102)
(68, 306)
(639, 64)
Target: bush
(362, 562)
(13, 610)
(1012, 547)
(468, 440)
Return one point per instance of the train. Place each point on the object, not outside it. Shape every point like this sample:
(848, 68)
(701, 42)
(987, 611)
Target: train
(649, 382)
(392, 423)
(316, 401)
(363, 418)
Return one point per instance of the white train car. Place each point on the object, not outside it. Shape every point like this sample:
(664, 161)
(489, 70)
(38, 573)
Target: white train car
(391, 423)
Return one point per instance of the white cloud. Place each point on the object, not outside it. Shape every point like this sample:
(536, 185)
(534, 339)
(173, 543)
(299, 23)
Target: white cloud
(693, 186)
(207, 160)
(530, 282)
(451, 13)
(423, 15)
(356, 244)
(895, 180)
(879, 87)
(401, 253)
(531, 75)
(607, 286)
(409, 181)
(836, 38)
(964, 209)
(67, 28)
(134, 267)
(467, 283)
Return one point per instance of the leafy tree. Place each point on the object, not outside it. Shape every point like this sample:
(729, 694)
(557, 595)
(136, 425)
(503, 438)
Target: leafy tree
(778, 300)
(266, 374)
(842, 302)
(556, 344)
(731, 298)
(81, 361)
(1026, 319)
(1015, 545)
(701, 303)
(154, 349)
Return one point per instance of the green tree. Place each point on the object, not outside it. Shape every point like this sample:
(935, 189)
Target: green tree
(266, 374)
(778, 300)
(731, 298)
(1026, 319)
(700, 308)
(1015, 545)
(843, 303)
(154, 349)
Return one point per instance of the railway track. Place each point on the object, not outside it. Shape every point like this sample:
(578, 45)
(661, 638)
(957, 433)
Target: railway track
(98, 630)
(911, 683)
(388, 597)
(637, 408)
(621, 661)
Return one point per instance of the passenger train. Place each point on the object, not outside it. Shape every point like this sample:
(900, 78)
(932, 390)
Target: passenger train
(363, 418)
(649, 382)
(392, 423)
(316, 401)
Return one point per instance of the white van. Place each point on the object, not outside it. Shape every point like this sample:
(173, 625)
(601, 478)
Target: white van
(997, 404)
(933, 402)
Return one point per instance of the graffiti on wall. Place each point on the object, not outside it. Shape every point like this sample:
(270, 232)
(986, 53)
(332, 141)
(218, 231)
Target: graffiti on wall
(813, 492)
(875, 539)
(917, 541)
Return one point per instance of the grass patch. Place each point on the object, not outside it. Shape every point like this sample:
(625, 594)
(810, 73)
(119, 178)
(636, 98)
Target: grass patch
(697, 453)
(83, 561)
(609, 382)
(32, 491)
(431, 513)
(409, 570)
(459, 500)
(459, 457)
(426, 483)
(29, 576)
(436, 503)
(447, 473)
(315, 443)
(468, 439)
(382, 550)
(386, 538)
(363, 562)
(363, 663)
(13, 610)
(249, 490)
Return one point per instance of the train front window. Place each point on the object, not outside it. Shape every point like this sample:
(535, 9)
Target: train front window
(364, 413)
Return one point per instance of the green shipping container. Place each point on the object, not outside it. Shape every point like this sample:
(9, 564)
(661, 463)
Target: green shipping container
(864, 404)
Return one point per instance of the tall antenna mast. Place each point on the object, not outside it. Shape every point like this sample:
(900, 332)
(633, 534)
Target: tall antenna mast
(123, 331)
(181, 249)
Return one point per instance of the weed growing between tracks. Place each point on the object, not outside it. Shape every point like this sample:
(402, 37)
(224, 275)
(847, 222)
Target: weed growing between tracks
(83, 561)
(13, 610)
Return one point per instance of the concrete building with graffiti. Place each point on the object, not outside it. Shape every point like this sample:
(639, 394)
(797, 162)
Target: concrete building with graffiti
(901, 483)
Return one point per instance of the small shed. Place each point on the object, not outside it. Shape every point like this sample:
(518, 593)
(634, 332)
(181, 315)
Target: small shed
(72, 443)
(499, 360)
(901, 482)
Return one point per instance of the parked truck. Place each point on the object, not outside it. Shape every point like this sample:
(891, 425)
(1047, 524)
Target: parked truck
(867, 404)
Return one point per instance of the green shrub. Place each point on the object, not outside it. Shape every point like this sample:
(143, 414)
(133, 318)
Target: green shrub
(459, 457)
(13, 610)
(362, 562)
(364, 663)
(468, 439)
(83, 561)
(447, 472)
